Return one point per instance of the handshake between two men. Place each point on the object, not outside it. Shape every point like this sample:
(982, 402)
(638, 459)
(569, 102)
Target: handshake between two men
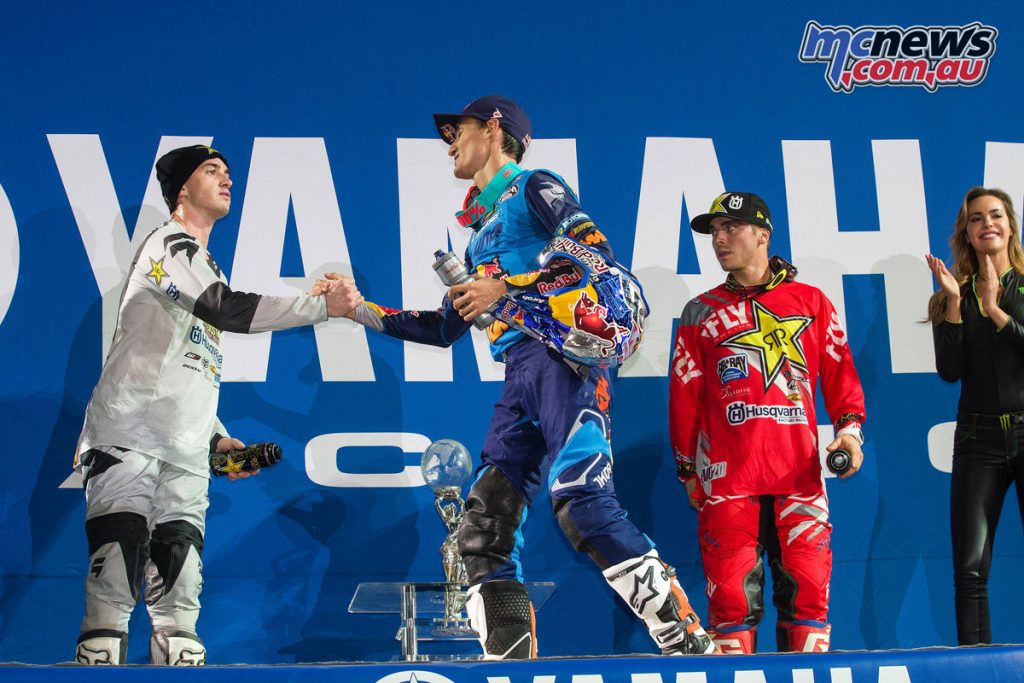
(341, 293)
(469, 299)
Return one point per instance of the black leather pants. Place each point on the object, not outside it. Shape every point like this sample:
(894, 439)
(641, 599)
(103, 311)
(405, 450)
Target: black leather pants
(988, 456)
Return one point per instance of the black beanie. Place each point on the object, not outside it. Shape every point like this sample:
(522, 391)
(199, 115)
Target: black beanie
(174, 169)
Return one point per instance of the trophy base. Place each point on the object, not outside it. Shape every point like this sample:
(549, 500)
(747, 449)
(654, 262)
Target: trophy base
(408, 598)
(440, 658)
(457, 628)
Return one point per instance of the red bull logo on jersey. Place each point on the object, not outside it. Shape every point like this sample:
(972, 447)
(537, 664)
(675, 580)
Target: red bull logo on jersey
(926, 56)
(491, 269)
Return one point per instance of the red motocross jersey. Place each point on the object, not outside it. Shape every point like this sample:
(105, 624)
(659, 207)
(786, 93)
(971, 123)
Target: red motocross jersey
(742, 387)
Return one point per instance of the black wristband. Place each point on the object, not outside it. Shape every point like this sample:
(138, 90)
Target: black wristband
(214, 441)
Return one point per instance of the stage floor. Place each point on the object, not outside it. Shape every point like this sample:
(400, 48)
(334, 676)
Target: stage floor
(988, 664)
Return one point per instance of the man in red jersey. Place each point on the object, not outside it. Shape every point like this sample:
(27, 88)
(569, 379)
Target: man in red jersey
(747, 359)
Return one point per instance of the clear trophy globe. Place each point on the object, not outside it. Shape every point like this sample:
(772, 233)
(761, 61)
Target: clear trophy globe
(446, 464)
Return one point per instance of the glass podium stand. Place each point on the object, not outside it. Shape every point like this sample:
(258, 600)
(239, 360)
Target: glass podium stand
(410, 599)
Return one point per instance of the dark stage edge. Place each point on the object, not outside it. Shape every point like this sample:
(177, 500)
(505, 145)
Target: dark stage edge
(985, 664)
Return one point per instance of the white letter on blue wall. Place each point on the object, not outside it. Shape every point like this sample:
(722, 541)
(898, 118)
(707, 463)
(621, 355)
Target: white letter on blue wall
(9, 253)
(292, 171)
(1004, 168)
(674, 169)
(896, 250)
(323, 453)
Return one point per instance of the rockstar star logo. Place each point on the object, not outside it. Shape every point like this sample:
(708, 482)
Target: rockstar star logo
(774, 339)
(157, 271)
(717, 206)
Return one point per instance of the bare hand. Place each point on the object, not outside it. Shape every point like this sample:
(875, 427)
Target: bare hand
(343, 296)
(476, 297)
(852, 446)
(947, 283)
(229, 444)
(987, 283)
(691, 492)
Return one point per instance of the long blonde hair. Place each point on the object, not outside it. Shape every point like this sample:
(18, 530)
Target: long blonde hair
(965, 259)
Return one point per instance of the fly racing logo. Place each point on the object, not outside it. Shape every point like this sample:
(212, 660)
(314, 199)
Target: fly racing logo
(683, 365)
(97, 566)
(835, 338)
(926, 56)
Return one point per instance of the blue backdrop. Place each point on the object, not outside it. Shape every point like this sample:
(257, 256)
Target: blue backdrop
(323, 110)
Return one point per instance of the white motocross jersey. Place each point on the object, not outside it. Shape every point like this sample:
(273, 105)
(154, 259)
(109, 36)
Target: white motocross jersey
(159, 387)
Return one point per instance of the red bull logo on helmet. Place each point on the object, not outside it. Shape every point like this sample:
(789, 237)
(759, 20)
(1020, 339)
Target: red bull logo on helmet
(590, 316)
(926, 56)
(584, 255)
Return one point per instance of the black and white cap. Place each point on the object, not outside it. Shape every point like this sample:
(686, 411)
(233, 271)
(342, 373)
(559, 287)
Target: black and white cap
(742, 206)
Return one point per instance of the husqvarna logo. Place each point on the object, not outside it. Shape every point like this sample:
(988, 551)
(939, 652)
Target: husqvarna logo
(739, 412)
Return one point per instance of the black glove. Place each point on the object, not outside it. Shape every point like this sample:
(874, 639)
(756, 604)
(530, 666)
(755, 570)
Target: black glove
(248, 459)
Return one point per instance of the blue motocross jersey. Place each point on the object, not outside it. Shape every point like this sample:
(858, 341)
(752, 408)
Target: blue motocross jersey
(512, 219)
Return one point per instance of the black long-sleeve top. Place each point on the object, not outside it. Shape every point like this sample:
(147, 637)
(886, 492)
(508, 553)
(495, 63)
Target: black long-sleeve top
(988, 362)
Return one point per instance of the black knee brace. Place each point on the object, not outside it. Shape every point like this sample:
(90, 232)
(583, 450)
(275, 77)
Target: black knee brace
(494, 510)
(563, 513)
(169, 547)
(129, 531)
(578, 526)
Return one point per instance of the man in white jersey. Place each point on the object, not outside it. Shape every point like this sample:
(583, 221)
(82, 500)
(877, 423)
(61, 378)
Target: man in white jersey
(151, 423)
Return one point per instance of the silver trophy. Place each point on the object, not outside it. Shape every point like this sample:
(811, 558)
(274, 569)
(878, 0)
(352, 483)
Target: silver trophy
(446, 468)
